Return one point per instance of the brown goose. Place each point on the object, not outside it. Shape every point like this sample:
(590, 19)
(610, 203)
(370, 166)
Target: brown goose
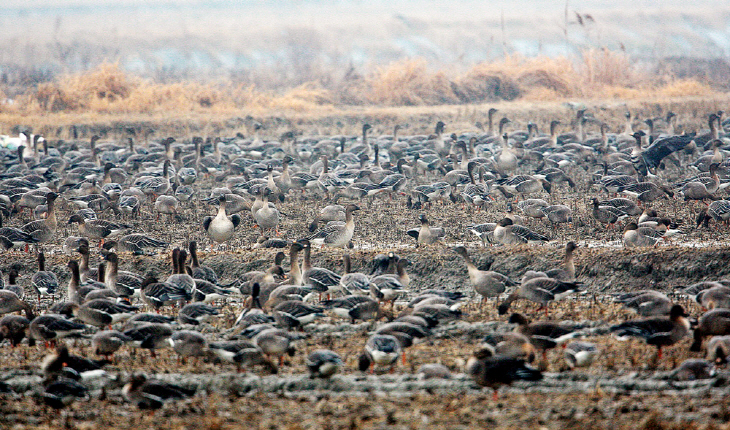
(13, 328)
(490, 370)
(657, 331)
(541, 291)
(713, 323)
(44, 230)
(485, 282)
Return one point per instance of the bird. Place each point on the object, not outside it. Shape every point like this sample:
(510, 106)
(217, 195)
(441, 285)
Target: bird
(580, 354)
(335, 234)
(380, 350)
(507, 233)
(428, 235)
(220, 228)
(540, 290)
(657, 331)
(494, 371)
(486, 283)
(323, 363)
(152, 394)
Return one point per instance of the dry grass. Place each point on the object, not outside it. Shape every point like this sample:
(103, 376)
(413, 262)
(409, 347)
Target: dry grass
(597, 74)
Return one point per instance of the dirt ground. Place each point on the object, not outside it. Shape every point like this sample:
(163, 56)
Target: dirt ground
(627, 387)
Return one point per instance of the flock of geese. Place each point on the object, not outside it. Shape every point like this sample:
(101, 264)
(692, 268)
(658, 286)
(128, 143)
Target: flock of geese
(104, 187)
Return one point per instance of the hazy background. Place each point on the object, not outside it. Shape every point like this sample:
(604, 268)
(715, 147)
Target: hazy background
(273, 43)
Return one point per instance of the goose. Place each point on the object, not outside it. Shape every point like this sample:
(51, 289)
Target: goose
(327, 214)
(62, 359)
(98, 229)
(14, 236)
(200, 271)
(220, 228)
(509, 234)
(292, 314)
(541, 291)
(428, 235)
(9, 302)
(107, 342)
(511, 344)
(152, 394)
(701, 190)
(567, 273)
(522, 185)
(656, 331)
(719, 210)
(337, 235)
(268, 217)
(189, 343)
(167, 205)
(240, 352)
(155, 185)
(634, 237)
(532, 207)
(580, 354)
(276, 342)
(354, 283)
(558, 214)
(389, 287)
(715, 322)
(693, 369)
(608, 215)
(490, 370)
(12, 286)
(646, 192)
(380, 350)
(714, 298)
(62, 392)
(354, 308)
(646, 303)
(197, 313)
(179, 278)
(44, 230)
(718, 348)
(135, 243)
(322, 280)
(118, 310)
(149, 335)
(323, 363)
(51, 327)
(626, 206)
(157, 294)
(485, 282)
(543, 334)
(13, 328)
(44, 282)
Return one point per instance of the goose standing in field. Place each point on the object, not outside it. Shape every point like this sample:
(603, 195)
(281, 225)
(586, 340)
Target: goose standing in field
(134, 243)
(323, 363)
(220, 228)
(715, 322)
(51, 327)
(428, 235)
(541, 291)
(155, 185)
(9, 302)
(268, 217)
(719, 210)
(16, 236)
(337, 235)
(566, 273)
(543, 334)
(608, 215)
(180, 278)
(353, 282)
(322, 280)
(657, 331)
(44, 230)
(490, 370)
(13, 328)
(107, 342)
(354, 308)
(152, 394)
(485, 282)
(635, 237)
(646, 303)
(380, 350)
(98, 229)
(509, 234)
(167, 205)
(12, 285)
(200, 271)
(580, 354)
(149, 335)
(44, 282)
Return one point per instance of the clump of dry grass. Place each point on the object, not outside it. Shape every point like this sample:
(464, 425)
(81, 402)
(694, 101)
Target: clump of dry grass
(596, 73)
(407, 83)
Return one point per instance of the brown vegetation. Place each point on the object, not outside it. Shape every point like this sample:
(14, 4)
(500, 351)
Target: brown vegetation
(598, 73)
